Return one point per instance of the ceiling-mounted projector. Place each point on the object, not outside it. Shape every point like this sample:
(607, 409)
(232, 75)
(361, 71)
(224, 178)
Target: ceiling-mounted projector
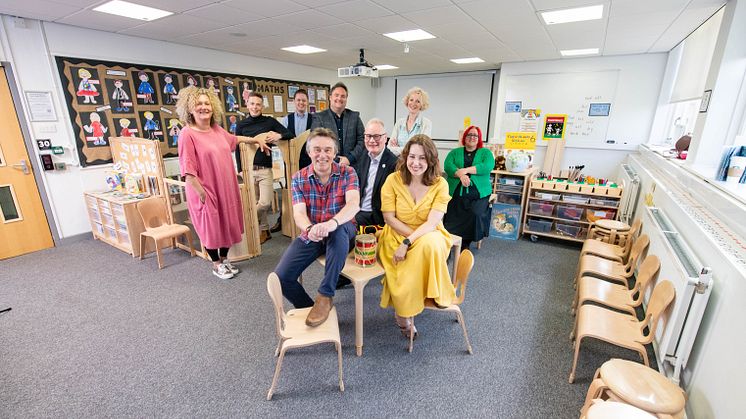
(361, 69)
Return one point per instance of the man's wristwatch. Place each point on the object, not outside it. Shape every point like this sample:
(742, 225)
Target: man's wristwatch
(406, 242)
(309, 228)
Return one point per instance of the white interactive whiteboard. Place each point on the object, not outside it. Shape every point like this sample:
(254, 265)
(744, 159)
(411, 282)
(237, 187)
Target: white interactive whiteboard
(453, 97)
(578, 95)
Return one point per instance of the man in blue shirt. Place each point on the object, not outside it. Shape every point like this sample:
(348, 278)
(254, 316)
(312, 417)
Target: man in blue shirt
(299, 121)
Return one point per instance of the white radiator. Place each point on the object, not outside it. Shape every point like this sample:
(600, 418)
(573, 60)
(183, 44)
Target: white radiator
(693, 283)
(628, 180)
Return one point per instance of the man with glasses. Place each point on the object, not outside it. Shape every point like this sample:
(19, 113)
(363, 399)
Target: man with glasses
(373, 167)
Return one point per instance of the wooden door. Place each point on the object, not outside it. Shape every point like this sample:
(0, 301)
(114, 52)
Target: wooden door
(23, 224)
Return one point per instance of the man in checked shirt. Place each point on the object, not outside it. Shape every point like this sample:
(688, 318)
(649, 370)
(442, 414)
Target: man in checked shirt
(326, 197)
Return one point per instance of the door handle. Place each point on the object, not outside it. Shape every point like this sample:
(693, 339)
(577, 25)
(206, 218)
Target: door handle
(22, 166)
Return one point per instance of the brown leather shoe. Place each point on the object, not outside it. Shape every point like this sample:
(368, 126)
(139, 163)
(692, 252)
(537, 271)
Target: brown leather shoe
(320, 311)
(264, 236)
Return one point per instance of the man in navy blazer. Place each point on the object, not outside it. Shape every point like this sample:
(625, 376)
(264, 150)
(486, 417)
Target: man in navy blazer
(373, 167)
(346, 123)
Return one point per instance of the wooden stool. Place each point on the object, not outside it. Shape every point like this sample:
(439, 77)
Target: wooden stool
(639, 386)
(610, 231)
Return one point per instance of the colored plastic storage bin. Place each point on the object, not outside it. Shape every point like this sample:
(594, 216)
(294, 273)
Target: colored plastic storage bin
(541, 208)
(548, 196)
(575, 199)
(604, 202)
(569, 213)
(540, 226)
(593, 215)
(569, 230)
(509, 198)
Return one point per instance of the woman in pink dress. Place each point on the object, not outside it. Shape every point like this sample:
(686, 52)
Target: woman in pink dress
(205, 158)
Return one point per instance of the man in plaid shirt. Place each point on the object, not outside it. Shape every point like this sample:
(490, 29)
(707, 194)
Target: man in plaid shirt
(326, 197)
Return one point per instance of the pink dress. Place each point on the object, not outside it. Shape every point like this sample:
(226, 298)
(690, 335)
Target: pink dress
(208, 157)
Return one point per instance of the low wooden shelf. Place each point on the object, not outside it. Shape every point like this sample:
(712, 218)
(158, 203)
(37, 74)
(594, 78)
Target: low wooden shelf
(115, 220)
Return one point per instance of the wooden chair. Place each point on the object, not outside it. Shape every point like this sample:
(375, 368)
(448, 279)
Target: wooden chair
(614, 271)
(154, 216)
(465, 265)
(636, 385)
(293, 332)
(600, 409)
(618, 296)
(609, 231)
(612, 251)
(622, 329)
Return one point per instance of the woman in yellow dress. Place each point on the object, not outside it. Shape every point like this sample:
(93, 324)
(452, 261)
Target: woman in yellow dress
(414, 245)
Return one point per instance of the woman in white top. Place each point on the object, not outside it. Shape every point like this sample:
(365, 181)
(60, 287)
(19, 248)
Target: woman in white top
(416, 101)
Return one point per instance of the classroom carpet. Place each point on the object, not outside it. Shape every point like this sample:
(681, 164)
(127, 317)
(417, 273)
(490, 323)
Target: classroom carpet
(94, 332)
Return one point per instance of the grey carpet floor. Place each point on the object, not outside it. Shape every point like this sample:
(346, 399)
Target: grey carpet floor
(96, 333)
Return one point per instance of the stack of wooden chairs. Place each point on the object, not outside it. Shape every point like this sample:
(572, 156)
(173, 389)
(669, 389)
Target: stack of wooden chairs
(605, 279)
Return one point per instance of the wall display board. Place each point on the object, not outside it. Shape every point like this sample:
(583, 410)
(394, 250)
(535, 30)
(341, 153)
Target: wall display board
(109, 99)
(585, 97)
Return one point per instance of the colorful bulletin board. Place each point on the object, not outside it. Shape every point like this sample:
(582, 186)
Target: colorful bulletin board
(554, 127)
(109, 99)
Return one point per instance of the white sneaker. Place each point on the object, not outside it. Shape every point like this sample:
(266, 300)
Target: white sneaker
(234, 270)
(222, 272)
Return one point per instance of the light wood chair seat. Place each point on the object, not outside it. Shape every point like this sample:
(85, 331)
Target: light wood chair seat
(590, 265)
(610, 231)
(618, 296)
(465, 265)
(622, 329)
(642, 387)
(615, 410)
(293, 332)
(154, 216)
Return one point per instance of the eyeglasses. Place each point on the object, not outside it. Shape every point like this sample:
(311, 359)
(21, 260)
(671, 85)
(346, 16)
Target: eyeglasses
(471, 136)
(374, 137)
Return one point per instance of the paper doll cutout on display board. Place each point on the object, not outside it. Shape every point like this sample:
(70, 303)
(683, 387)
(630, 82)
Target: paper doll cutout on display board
(124, 129)
(86, 79)
(211, 83)
(121, 95)
(173, 130)
(191, 81)
(145, 91)
(232, 121)
(151, 125)
(96, 130)
(247, 88)
(230, 99)
(170, 88)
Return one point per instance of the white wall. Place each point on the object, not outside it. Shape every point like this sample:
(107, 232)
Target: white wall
(30, 51)
(640, 78)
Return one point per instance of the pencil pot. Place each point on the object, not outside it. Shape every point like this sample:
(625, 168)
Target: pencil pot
(365, 250)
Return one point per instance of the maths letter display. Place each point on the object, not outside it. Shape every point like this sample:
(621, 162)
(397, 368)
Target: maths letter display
(109, 99)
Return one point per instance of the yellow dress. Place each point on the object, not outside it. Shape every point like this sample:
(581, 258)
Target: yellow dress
(424, 272)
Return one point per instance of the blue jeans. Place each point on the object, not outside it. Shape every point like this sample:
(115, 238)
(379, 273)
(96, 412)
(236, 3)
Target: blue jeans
(300, 255)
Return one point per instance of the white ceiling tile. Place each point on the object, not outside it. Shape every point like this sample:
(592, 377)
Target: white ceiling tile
(100, 21)
(307, 19)
(225, 14)
(637, 7)
(173, 27)
(269, 8)
(564, 4)
(578, 35)
(318, 3)
(684, 24)
(355, 10)
(345, 30)
(403, 6)
(498, 55)
(439, 16)
(41, 9)
(79, 3)
(387, 24)
(519, 13)
(439, 47)
(176, 6)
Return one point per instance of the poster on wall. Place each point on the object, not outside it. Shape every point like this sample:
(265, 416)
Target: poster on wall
(554, 127)
(529, 120)
(107, 99)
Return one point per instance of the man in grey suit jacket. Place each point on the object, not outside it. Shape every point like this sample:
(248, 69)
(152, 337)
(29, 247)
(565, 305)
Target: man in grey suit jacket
(346, 123)
(373, 167)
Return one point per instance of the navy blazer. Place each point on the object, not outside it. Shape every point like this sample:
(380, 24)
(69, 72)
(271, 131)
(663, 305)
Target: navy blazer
(352, 131)
(386, 166)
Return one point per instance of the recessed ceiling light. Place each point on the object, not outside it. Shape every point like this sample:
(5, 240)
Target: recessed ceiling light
(303, 49)
(467, 60)
(409, 36)
(132, 10)
(386, 67)
(573, 52)
(577, 14)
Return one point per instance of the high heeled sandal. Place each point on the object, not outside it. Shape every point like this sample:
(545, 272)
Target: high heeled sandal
(406, 326)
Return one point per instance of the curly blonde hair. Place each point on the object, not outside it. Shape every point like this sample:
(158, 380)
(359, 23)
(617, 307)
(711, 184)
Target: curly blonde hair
(424, 97)
(188, 100)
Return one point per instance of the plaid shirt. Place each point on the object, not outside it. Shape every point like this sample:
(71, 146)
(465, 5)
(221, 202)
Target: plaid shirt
(323, 201)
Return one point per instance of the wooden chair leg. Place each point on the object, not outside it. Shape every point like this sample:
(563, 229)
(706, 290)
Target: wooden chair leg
(575, 360)
(595, 390)
(158, 254)
(339, 362)
(466, 335)
(188, 235)
(277, 374)
(411, 337)
(142, 246)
